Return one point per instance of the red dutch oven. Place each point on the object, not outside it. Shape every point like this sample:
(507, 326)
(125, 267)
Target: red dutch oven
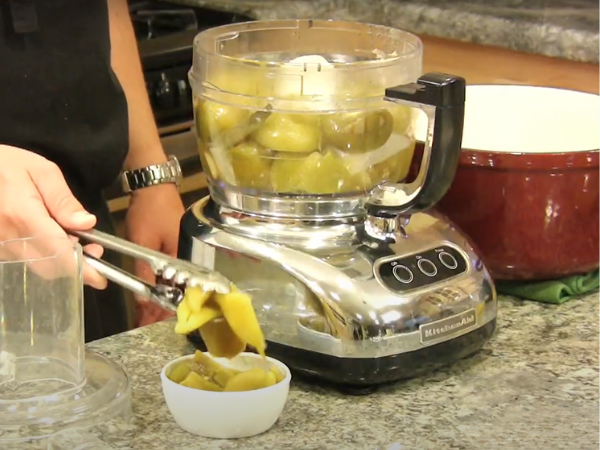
(526, 189)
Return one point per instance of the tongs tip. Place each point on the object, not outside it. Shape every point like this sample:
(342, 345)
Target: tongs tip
(220, 285)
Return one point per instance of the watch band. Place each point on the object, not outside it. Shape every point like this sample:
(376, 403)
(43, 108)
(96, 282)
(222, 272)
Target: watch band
(168, 172)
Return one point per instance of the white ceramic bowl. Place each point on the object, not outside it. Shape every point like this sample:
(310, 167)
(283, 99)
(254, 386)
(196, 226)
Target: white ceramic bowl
(227, 415)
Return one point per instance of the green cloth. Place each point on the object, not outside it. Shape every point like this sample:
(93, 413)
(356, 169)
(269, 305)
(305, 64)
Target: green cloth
(554, 291)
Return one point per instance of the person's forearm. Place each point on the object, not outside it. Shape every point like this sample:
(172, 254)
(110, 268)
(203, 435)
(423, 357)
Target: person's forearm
(144, 142)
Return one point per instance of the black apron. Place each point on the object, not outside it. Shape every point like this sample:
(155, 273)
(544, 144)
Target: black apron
(61, 99)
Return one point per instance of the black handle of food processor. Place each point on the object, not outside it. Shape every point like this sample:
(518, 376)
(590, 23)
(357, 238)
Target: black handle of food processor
(446, 93)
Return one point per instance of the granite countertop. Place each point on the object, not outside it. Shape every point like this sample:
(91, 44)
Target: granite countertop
(533, 386)
(561, 28)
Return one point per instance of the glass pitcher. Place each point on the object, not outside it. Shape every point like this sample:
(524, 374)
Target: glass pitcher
(315, 118)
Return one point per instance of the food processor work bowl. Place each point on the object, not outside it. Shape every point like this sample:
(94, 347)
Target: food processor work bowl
(314, 118)
(49, 383)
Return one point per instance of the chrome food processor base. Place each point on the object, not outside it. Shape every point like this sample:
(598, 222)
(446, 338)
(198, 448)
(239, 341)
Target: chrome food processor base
(351, 301)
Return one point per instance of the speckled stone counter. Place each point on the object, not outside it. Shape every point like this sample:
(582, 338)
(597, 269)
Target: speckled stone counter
(533, 386)
(561, 28)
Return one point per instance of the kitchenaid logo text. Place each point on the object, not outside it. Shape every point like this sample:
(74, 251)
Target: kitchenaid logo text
(448, 327)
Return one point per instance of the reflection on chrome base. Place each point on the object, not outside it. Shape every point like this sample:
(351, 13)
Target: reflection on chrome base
(337, 288)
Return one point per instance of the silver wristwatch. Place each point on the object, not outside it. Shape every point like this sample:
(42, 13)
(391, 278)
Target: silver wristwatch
(168, 172)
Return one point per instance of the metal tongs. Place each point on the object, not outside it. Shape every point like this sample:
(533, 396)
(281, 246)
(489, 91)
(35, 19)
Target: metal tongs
(174, 271)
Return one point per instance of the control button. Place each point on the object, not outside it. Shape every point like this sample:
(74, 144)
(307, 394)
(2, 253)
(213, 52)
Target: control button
(427, 267)
(448, 260)
(403, 274)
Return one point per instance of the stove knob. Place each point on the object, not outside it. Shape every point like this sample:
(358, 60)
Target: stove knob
(183, 94)
(164, 95)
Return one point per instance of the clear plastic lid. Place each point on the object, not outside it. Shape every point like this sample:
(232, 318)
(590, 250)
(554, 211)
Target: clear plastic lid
(300, 65)
(102, 406)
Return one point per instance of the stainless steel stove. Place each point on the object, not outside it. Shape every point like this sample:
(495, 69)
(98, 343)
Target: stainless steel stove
(165, 33)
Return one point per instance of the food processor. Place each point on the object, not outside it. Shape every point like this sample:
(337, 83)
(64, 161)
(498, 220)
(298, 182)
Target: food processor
(54, 394)
(305, 132)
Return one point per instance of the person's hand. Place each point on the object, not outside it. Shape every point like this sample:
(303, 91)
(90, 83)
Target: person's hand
(153, 222)
(36, 201)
